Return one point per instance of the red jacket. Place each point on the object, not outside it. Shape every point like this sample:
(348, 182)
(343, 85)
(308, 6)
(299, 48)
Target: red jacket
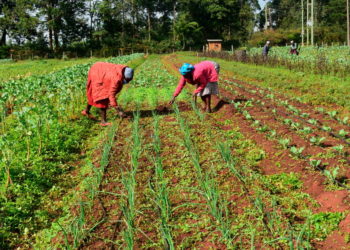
(106, 81)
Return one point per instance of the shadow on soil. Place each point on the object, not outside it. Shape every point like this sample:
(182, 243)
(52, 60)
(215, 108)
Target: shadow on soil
(219, 105)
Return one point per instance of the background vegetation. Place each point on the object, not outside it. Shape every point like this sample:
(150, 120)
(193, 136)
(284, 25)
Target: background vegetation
(49, 27)
(329, 22)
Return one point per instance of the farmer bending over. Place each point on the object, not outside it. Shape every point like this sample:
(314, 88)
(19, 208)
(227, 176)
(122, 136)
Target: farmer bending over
(205, 76)
(105, 80)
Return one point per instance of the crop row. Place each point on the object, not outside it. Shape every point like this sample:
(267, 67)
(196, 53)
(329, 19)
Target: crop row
(264, 126)
(295, 116)
(276, 229)
(302, 110)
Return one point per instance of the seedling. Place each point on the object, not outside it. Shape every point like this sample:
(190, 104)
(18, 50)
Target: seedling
(321, 110)
(297, 151)
(312, 121)
(339, 148)
(284, 142)
(287, 121)
(247, 115)
(342, 133)
(332, 113)
(237, 105)
(248, 104)
(315, 163)
(285, 103)
(304, 115)
(345, 120)
(256, 123)
(293, 109)
(326, 128)
(263, 128)
(295, 125)
(307, 130)
(317, 140)
(332, 175)
(273, 133)
(271, 96)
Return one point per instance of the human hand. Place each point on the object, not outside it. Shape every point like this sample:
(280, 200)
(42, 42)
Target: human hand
(120, 112)
(172, 100)
(194, 97)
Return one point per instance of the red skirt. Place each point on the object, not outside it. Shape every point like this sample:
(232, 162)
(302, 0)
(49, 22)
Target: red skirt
(102, 104)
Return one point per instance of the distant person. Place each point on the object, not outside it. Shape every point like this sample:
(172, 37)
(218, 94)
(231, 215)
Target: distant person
(266, 49)
(294, 48)
(105, 80)
(205, 76)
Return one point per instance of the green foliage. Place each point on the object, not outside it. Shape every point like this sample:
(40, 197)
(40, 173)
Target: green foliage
(317, 140)
(315, 163)
(322, 224)
(38, 144)
(286, 14)
(281, 183)
(332, 175)
(21, 69)
(296, 151)
(276, 36)
(284, 142)
(152, 84)
(342, 133)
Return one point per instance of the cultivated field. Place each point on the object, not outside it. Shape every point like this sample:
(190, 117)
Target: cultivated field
(268, 169)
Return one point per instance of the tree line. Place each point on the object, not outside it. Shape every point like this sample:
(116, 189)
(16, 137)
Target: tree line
(286, 22)
(53, 26)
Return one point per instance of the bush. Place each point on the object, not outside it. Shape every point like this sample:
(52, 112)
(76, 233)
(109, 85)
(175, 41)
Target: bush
(5, 52)
(277, 37)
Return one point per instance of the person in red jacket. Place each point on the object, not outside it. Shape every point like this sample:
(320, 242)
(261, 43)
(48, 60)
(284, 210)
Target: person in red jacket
(105, 80)
(205, 76)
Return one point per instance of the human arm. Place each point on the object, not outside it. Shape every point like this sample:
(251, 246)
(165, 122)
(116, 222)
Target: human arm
(180, 86)
(115, 89)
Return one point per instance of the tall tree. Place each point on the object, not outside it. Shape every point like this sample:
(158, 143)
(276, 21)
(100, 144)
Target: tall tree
(64, 20)
(17, 21)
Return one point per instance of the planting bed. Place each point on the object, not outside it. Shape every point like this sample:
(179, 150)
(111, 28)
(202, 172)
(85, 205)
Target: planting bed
(262, 171)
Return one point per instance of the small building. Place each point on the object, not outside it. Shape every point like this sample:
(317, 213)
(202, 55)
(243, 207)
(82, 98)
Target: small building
(214, 45)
